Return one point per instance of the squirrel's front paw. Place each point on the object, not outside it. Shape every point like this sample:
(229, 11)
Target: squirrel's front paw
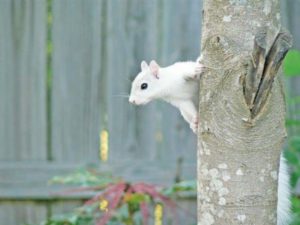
(198, 70)
(194, 125)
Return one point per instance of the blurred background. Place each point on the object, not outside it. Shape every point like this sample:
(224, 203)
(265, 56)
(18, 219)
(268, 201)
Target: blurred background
(66, 68)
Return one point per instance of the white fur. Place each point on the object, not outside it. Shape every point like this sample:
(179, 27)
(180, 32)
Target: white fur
(178, 85)
(284, 203)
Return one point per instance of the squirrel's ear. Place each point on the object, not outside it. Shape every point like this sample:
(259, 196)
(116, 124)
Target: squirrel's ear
(144, 65)
(154, 67)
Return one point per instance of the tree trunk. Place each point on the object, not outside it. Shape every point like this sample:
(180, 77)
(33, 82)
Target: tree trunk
(242, 112)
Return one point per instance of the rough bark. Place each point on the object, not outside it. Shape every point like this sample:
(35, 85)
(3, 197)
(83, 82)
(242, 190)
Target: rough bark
(242, 112)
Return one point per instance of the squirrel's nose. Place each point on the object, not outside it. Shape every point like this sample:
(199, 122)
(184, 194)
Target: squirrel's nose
(131, 100)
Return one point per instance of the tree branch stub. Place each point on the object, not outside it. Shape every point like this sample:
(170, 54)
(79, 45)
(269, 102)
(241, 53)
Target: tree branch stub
(264, 67)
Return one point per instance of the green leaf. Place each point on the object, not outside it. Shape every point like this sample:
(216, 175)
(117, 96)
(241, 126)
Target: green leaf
(291, 63)
(293, 100)
(291, 157)
(138, 198)
(188, 185)
(86, 178)
(295, 143)
(292, 122)
(183, 186)
(294, 179)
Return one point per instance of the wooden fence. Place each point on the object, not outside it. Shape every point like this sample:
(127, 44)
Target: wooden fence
(63, 65)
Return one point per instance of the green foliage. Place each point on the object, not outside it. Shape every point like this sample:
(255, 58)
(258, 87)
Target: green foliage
(292, 122)
(80, 216)
(85, 178)
(291, 68)
(291, 64)
(181, 187)
(292, 156)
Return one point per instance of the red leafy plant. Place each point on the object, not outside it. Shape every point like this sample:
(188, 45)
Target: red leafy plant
(112, 196)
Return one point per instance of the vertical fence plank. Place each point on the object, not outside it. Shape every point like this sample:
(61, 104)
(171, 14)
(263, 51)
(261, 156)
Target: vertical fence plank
(64, 206)
(123, 28)
(22, 96)
(22, 212)
(76, 77)
(290, 11)
(180, 42)
(22, 80)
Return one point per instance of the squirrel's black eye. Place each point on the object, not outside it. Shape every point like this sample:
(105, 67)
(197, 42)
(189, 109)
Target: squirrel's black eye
(144, 86)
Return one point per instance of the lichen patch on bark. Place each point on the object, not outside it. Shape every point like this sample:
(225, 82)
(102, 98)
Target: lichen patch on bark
(241, 218)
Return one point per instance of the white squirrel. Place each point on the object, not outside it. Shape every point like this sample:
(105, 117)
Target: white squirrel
(178, 84)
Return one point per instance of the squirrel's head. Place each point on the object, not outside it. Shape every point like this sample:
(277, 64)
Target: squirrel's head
(145, 85)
